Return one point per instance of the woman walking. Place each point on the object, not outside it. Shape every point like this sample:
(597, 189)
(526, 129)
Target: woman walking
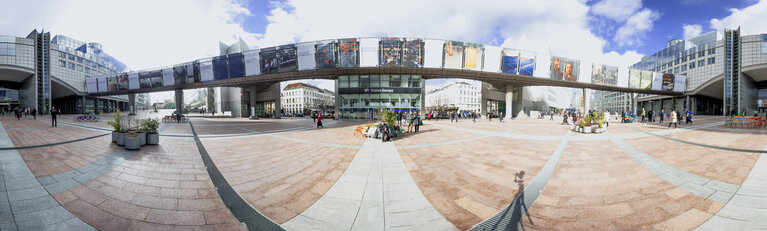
(673, 119)
(319, 120)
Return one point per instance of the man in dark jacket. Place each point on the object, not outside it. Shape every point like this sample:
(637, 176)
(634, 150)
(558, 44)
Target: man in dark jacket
(34, 113)
(54, 113)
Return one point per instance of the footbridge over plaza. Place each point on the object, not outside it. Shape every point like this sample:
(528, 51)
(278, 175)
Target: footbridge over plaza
(256, 70)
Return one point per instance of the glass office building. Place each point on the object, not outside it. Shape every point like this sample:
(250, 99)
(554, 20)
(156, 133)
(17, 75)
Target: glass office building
(365, 96)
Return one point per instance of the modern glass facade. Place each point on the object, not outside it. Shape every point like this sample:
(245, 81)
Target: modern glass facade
(365, 96)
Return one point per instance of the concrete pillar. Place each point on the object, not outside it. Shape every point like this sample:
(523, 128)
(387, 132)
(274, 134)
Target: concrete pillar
(132, 103)
(634, 103)
(96, 106)
(509, 99)
(252, 101)
(179, 101)
(337, 100)
(278, 104)
(82, 105)
(586, 100)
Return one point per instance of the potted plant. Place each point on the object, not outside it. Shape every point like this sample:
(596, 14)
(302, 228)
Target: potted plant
(117, 125)
(132, 141)
(150, 127)
(141, 135)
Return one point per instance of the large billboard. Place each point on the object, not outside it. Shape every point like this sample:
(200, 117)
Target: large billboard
(145, 79)
(472, 59)
(657, 81)
(453, 55)
(326, 54)
(604, 74)
(646, 82)
(156, 78)
(306, 57)
(206, 70)
(102, 84)
(635, 77)
(122, 82)
(680, 82)
(668, 82)
(133, 81)
(412, 53)
(288, 58)
(220, 68)
(433, 53)
(510, 62)
(269, 61)
(348, 53)
(167, 77)
(179, 75)
(564, 68)
(193, 72)
(492, 61)
(252, 64)
(391, 52)
(526, 65)
(368, 52)
(92, 85)
(112, 83)
(236, 65)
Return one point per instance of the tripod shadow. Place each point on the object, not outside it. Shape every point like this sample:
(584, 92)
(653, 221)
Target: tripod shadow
(512, 216)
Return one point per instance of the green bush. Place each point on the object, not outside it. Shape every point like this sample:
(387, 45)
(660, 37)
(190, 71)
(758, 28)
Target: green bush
(389, 117)
(150, 126)
(117, 122)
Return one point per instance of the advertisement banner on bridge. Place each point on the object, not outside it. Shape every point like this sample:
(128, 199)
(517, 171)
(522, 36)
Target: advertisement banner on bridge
(236, 65)
(412, 53)
(220, 68)
(368, 52)
(510, 61)
(668, 82)
(326, 54)
(92, 85)
(306, 56)
(112, 83)
(348, 53)
(526, 65)
(269, 61)
(604, 74)
(288, 58)
(635, 77)
(103, 84)
(472, 56)
(433, 53)
(252, 64)
(133, 83)
(167, 77)
(145, 79)
(206, 70)
(122, 82)
(646, 82)
(391, 52)
(564, 68)
(179, 75)
(657, 81)
(492, 59)
(679, 83)
(453, 55)
(157, 78)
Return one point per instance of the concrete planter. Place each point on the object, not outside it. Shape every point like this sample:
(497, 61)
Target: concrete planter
(132, 141)
(152, 138)
(141, 138)
(121, 139)
(114, 136)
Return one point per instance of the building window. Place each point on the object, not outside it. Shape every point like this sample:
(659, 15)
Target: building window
(71, 57)
(79, 60)
(701, 63)
(684, 59)
(684, 67)
(711, 60)
(711, 51)
(72, 66)
(80, 67)
(62, 63)
(87, 70)
(692, 65)
(62, 54)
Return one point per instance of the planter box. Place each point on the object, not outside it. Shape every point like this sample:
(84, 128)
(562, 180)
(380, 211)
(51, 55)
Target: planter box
(114, 136)
(120, 138)
(141, 138)
(132, 142)
(153, 138)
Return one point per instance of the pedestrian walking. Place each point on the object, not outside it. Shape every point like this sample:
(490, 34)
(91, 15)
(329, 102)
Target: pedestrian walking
(399, 119)
(319, 120)
(409, 121)
(689, 116)
(673, 119)
(661, 116)
(473, 117)
(34, 113)
(644, 114)
(417, 122)
(54, 114)
(607, 117)
(17, 113)
(564, 119)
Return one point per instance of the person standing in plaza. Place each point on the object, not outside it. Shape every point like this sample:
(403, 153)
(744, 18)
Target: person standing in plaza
(689, 117)
(409, 121)
(662, 114)
(644, 114)
(34, 113)
(673, 119)
(54, 114)
(417, 121)
(564, 119)
(399, 119)
(319, 120)
(607, 117)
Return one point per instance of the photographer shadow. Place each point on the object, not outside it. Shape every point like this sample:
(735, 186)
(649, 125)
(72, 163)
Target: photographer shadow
(511, 217)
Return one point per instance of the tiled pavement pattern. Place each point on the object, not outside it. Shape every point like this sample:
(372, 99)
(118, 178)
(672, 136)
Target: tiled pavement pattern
(748, 208)
(375, 192)
(72, 178)
(24, 203)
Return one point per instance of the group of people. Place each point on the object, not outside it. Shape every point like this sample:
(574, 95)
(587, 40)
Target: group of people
(19, 112)
(412, 119)
(674, 117)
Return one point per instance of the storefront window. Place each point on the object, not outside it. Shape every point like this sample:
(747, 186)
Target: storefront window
(366, 96)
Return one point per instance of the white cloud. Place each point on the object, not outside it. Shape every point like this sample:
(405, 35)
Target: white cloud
(633, 32)
(617, 10)
(751, 18)
(692, 30)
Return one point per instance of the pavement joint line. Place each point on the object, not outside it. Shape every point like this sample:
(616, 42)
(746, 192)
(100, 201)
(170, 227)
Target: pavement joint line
(442, 143)
(13, 170)
(53, 144)
(84, 173)
(737, 217)
(238, 206)
(315, 142)
(505, 221)
(706, 145)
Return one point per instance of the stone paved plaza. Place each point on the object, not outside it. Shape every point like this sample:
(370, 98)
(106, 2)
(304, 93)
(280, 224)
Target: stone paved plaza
(233, 174)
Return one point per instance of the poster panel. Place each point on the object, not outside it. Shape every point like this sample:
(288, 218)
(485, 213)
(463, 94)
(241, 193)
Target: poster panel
(510, 62)
(368, 52)
(526, 65)
(206, 70)
(326, 54)
(102, 84)
(635, 76)
(472, 59)
(680, 82)
(269, 61)
(92, 85)
(220, 68)
(156, 77)
(391, 52)
(179, 75)
(604, 74)
(122, 82)
(133, 81)
(657, 81)
(668, 82)
(145, 80)
(288, 58)
(543, 66)
(112, 83)
(236, 65)
(585, 72)
(564, 68)
(252, 66)
(623, 77)
(646, 81)
(453, 55)
(348, 53)
(306, 56)
(167, 77)
(433, 53)
(492, 59)
(412, 53)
